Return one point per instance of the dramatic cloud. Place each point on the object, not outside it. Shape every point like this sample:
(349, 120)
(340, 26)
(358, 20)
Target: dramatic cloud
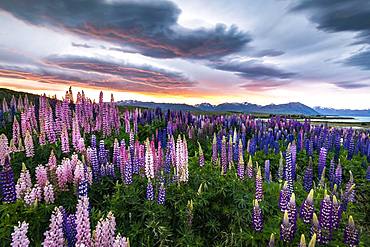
(140, 74)
(149, 26)
(252, 69)
(361, 59)
(351, 84)
(337, 16)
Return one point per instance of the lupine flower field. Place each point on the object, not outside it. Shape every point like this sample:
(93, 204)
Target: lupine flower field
(80, 173)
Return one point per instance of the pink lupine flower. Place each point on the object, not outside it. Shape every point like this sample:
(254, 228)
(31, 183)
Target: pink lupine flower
(121, 241)
(30, 197)
(83, 235)
(65, 140)
(54, 237)
(28, 142)
(105, 231)
(149, 161)
(16, 131)
(52, 163)
(49, 193)
(41, 175)
(4, 148)
(19, 235)
(24, 182)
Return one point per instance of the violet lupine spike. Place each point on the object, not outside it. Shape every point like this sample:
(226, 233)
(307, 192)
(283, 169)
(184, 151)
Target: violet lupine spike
(69, 228)
(332, 173)
(54, 237)
(250, 167)
(308, 176)
(351, 193)
(224, 164)
(326, 219)
(259, 190)
(307, 208)
(288, 171)
(346, 196)
(337, 213)
(257, 219)
(286, 229)
(322, 160)
(7, 184)
(83, 235)
(292, 211)
(293, 152)
(315, 226)
(201, 156)
(162, 195)
(214, 149)
(128, 170)
(284, 197)
(338, 174)
(149, 191)
(19, 235)
(351, 233)
(267, 171)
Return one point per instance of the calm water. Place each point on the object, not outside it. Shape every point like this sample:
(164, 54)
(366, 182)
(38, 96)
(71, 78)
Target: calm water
(356, 119)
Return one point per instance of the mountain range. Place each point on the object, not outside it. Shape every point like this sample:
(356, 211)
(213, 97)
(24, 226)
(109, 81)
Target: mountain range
(341, 112)
(293, 108)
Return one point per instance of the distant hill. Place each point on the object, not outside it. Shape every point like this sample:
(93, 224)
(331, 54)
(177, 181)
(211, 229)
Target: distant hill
(342, 112)
(293, 108)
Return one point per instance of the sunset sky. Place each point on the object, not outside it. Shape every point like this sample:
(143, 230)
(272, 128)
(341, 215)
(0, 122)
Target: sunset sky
(274, 51)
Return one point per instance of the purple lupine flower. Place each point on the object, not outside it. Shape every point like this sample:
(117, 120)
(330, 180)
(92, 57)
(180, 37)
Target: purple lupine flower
(350, 193)
(351, 234)
(284, 197)
(250, 167)
(64, 140)
(259, 190)
(83, 235)
(322, 160)
(346, 196)
(83, 188)
(326, 219)
(286, 229)
(293, 152)
(338, 175)
(308, 176)
(19, 235)
(149, 191)
(128, 170)
(292, 211)
(230, 151)
(315, 226)
(201, 156)
(288, 171)
(93, 141)
(214, 149)
(332, 173)
(162, 195)
(7, 184)
(307, 208)
(240, 169)
(69, 228)
(95, 165)
(337, 213)
(224, 164)
(257, 220)
(54, 237)
(267, 171)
